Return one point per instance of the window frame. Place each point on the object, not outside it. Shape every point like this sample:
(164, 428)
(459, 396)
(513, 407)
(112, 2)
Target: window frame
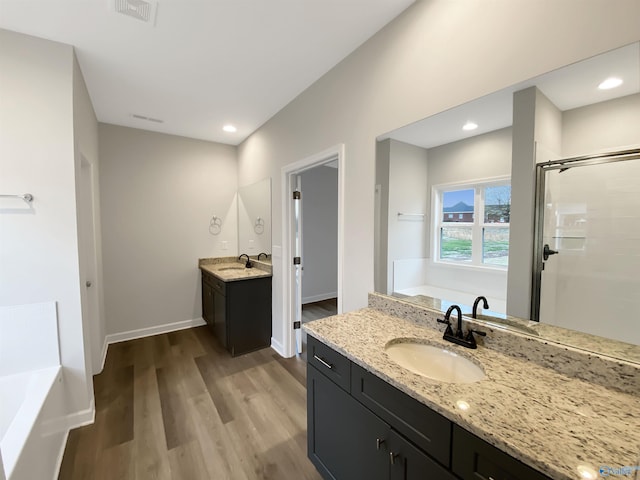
(477, 226)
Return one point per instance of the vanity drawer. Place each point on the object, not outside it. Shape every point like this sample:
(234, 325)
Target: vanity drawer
(475, 459)
(335, 366)
(427, 429)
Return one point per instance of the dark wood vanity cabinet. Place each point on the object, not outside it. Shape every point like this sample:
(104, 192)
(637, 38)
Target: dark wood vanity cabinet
(348, 440)
(475, 458)
(342, 433)
(238, 312)
(361, 427)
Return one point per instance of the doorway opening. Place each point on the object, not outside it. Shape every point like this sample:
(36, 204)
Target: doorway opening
(313, 213)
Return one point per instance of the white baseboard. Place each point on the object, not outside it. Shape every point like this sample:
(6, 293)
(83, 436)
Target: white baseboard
(83, 417)
(155, 330)
(63, 446)
(105, 346)
(71, 421)
(319, 298)
(277, 346)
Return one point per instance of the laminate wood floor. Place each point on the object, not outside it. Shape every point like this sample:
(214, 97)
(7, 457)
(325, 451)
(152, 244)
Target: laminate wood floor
(317, 310)
(177, 406)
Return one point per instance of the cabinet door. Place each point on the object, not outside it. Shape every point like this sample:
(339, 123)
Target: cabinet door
(345, 440)
(248, 315)
(410, 463)
(427, 429)
(207, 302)
(475, 459)
(220, 317)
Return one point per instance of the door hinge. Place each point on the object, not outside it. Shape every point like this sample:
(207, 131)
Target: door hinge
(296, 325)
(297, 195)
(297, 261)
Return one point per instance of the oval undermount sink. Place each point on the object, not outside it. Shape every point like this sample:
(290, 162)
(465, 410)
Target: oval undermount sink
(436, 363)
(224, 269)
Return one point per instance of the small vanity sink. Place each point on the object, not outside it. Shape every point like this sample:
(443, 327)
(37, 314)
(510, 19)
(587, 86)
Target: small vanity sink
(435, 363)
(224, 269)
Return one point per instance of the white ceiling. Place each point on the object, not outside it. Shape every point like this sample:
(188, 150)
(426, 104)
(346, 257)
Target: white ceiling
(204, 63)
(569, 87)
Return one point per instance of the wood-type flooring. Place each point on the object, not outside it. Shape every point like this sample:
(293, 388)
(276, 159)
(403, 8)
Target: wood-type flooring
(321, 309)
(177, 406)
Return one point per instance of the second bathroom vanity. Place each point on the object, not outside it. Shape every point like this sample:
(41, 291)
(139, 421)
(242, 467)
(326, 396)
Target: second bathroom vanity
(236, 303)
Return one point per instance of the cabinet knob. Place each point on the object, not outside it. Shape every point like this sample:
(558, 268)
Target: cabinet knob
(392, 457)
(378, 443)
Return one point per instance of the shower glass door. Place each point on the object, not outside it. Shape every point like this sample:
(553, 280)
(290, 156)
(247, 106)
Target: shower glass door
(588, 246)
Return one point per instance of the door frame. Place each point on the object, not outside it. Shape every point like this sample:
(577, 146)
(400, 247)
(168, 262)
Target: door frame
(287, 178)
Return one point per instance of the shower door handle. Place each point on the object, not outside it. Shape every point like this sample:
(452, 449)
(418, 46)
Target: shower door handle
(547, 252)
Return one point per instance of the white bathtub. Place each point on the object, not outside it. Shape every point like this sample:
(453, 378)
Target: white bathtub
(32, 424)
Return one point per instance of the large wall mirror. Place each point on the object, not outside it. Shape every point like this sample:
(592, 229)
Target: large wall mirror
(254, 218)
(457, 214)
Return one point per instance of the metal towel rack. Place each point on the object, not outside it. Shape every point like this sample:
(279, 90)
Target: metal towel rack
(27, 197)
(420, 215)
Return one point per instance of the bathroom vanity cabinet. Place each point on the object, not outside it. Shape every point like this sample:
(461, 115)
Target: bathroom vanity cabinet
(238, 312)
(360, 426)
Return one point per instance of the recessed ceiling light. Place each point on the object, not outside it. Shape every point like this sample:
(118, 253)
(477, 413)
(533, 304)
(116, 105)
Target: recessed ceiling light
(229, 129)
(469, 126)
(609, 83)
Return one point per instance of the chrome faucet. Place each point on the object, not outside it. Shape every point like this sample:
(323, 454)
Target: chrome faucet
(248, 264)
(485, 305)
(469, 341)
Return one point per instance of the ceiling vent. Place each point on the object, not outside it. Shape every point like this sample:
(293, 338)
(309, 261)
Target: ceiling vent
(142, 10)
(148, 119)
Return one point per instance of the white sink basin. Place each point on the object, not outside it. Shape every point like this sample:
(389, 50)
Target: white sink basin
(223, 269)
(435, 363)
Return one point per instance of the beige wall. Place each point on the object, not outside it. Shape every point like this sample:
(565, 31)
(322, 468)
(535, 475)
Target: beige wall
(158, 193)
(436, 55)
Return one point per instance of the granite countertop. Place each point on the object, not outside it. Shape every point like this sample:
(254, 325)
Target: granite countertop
(229, 269)
(547, 420)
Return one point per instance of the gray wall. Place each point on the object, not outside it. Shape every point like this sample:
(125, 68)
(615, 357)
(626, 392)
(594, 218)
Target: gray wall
(408, 193)
(601, 127)
(85, 134)
(537, 135)
(404, 74)
(39, 256)
(319, 234)
(158, 193)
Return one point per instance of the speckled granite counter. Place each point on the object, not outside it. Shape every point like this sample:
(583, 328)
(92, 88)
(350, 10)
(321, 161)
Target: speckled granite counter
(230, 269)
(547, 420)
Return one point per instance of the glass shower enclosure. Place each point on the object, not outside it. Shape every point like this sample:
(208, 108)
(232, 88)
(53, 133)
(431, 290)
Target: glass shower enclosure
(586, 273)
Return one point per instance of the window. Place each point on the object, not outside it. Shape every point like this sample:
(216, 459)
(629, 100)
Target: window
(472, 223)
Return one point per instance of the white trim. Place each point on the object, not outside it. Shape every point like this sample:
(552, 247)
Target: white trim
(105, 346)
(63, 447)
(320, 297)
(155, 330)
(277, 346)
(288, 341)
(82, 418)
